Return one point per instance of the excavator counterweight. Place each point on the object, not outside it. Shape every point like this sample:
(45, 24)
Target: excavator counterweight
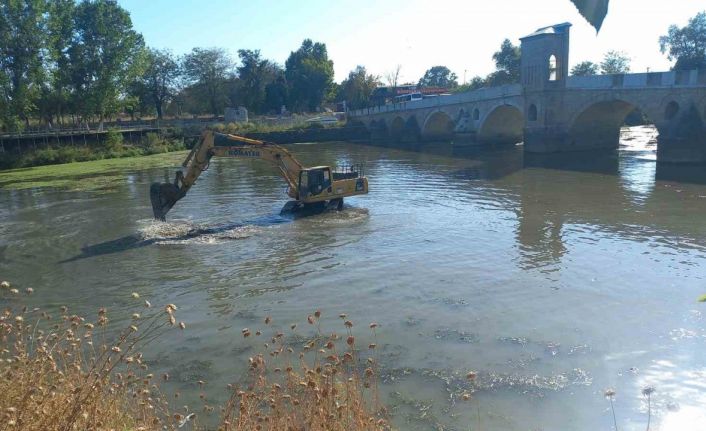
(320, 186)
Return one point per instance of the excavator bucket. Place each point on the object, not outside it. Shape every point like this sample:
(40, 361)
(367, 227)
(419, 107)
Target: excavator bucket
(163, 197)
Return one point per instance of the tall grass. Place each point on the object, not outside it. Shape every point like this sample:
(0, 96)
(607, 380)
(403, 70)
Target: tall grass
(324, 385)
(64, 372)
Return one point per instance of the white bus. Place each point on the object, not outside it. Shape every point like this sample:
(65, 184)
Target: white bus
(411, 97)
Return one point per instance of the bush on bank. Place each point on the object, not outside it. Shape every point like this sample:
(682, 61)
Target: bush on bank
(113, 146)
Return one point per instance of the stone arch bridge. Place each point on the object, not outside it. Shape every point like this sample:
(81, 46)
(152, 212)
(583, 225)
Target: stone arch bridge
(552, 112)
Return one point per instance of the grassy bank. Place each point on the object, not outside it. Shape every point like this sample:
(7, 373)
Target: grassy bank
(91, 175)
(62, 371)
(112, 146)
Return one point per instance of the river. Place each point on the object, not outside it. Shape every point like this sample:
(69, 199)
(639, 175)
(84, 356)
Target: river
(552, 277)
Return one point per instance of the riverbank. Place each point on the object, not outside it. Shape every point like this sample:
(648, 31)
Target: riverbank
(112, 146)
(313, 132)
(89, 175)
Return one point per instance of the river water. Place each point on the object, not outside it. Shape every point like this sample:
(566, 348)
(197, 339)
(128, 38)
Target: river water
(553, 277)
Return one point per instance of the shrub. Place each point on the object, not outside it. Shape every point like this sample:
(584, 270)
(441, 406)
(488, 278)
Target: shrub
(154, 144)
(315, 125)
(113, 141)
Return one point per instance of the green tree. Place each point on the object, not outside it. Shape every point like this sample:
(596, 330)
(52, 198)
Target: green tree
(309, 73)
(585, 68)
(507, 64)
(686, 45)
(254, 74)
(106, 55)
(439, 76)
(615, 62)
(276, 94)
(476, 83)
(160, 79)
(22, 42)
(357, 88)
(208, 69)
(56, 91)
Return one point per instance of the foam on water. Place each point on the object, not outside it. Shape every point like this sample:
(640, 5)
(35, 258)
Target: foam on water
(189, 232)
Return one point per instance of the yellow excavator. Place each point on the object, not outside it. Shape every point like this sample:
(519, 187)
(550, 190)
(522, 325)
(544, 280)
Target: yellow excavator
(319, 187)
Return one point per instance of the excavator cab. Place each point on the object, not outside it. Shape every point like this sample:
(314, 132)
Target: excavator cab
(314, 181)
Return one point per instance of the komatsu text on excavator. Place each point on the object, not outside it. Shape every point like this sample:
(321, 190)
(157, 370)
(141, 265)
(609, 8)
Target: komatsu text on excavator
(318, 187)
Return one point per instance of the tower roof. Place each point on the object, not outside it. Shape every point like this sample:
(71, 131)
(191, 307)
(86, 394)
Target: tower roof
(552, 29)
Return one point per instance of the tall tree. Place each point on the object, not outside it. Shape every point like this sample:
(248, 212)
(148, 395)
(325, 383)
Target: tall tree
(507, 64)
(585, 68)
(22, 41)
(208, 69)
(276, 94)
(309, 73)
(475, 83)
(254, 74)
(439, 76)
(106, 55)
(686, 45)
(615, 62)
(393, 77)
(357, 88)
(160, 79)
(56, 91)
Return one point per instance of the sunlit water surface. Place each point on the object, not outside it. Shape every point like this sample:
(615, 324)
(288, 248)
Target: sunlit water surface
(553, 277)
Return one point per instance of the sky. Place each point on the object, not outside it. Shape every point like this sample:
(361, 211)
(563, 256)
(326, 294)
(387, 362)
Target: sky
(416, 34)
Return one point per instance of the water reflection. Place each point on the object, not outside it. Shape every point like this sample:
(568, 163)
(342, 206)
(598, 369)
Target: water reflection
(553, 277)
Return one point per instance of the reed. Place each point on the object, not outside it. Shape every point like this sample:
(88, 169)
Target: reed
(64, 372)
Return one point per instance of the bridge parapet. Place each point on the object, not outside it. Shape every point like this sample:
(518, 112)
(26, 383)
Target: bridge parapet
(481, 95)
(683, 78)
(552, 112)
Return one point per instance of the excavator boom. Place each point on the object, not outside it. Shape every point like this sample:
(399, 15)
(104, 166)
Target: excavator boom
(307, 186)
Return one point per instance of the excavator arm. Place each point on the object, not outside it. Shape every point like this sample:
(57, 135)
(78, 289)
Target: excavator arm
(163, 196)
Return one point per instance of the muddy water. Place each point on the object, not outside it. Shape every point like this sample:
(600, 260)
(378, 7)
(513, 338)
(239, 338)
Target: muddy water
(552, 277)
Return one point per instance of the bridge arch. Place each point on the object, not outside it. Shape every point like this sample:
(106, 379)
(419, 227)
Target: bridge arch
(378, 130)
(438, 126)
(397, 129)
(671, 110)
(597, 124)
(504, 124)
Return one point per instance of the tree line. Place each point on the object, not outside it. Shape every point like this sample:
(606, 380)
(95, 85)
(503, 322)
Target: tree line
(69, 61)
(74, 61)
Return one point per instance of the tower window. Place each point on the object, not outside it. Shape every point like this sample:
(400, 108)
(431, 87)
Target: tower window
(552, 68)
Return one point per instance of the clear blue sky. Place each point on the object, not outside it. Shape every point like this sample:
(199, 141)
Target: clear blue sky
(461, 34)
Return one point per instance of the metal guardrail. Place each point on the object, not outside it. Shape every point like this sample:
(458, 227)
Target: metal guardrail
(75, 131)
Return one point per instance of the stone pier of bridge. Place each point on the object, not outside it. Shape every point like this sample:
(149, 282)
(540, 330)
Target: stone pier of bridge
(550, 111)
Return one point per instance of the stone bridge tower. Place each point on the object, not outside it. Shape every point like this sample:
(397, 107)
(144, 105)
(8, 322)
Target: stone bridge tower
(544, 73)
(545, 58)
